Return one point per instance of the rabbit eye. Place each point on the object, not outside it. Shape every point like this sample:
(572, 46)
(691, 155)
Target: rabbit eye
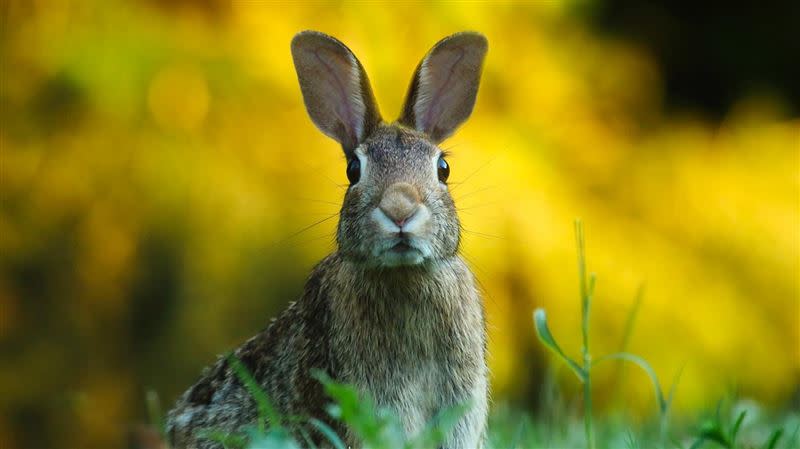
(354, 170)
(443, 169)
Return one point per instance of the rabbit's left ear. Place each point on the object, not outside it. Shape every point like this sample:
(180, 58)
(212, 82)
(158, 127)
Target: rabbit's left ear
(445, 84)
(335, 89)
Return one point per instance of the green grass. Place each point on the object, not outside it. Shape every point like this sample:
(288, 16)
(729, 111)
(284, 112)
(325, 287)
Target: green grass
(583, 369)
(559, 423)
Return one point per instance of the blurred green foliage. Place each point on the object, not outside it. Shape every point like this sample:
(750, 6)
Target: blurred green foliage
(157, 165)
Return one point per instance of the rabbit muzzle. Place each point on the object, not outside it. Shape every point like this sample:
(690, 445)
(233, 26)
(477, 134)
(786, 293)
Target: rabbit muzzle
(403, 221)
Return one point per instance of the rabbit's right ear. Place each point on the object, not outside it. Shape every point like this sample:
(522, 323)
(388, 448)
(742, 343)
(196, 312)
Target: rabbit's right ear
(445, 84)
(335, 89)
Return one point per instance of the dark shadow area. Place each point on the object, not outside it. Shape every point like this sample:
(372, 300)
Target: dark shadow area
(712, 53)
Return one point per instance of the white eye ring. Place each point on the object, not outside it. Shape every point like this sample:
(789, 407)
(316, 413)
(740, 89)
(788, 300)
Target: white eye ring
(361, 154)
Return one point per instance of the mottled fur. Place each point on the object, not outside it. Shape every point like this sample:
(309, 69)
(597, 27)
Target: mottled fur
(407, 330)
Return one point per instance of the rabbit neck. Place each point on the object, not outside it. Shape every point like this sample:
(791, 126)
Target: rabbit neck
(414, 338)
(435, 282)
(414, 313)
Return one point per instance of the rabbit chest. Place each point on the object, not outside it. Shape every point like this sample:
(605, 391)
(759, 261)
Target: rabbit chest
(415, 344)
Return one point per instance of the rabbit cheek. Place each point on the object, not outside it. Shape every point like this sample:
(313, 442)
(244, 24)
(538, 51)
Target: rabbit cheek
(352, 236)
(445, 234)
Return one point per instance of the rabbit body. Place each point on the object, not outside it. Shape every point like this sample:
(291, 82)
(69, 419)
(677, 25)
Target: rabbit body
(416, 347)
(395, 310)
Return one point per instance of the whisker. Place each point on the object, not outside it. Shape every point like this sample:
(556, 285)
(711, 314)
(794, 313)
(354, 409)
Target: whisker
(482, 234)
(330, 236)
(447, 150)
(311, 214)
(471, 260)
(318, 171)
(481, 286)
(475, 172)
(341, 186)
(474, 192)
(305, 229)
(316, 201)
(476, 206)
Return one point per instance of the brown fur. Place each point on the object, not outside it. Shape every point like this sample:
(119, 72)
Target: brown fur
(403, 325)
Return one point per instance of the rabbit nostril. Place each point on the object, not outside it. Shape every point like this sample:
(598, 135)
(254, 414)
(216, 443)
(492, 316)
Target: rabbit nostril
(400, 216)
(399, 203)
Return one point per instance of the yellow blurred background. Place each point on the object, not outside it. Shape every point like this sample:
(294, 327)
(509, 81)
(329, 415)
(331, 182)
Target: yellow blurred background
(158, 165)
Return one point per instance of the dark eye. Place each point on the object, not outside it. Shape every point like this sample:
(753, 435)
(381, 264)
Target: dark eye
(354, 170)
(443, 169)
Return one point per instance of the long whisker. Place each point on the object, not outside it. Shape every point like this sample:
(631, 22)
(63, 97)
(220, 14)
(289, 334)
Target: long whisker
(447, 150)
(481, 286)
(313, 214)
(305, 229)
(462, 209)
(318, 171)
(329, 235)
(459, 183)
(474, 192)
(482, 234)
(316, 201)
(341, 186)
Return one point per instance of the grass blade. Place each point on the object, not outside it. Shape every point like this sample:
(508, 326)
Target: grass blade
(518, 435)
(792, 439)
(328, 433)
(309, 443)
(699, 442)
(711, 431)
(641, 363)
(736, 426)
(586, 285)
(437, 429)
(627, 333)
(275, 438)
(773, 439)
(543, 332)
(674, 386)
(265, 407)
(227, 440)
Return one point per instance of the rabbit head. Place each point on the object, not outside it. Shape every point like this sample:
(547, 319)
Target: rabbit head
(397, 210)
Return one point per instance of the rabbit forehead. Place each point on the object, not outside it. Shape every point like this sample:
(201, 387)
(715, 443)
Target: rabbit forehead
(396, 152)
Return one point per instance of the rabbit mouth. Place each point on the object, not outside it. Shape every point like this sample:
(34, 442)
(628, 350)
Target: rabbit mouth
(401, 247)
(401, 252)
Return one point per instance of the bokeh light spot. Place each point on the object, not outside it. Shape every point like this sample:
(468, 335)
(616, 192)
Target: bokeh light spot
(178, 98)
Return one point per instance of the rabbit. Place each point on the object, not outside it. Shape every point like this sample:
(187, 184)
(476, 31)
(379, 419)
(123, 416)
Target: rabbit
(394, 311)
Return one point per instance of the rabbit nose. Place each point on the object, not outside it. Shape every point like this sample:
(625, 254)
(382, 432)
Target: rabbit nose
(400, 201)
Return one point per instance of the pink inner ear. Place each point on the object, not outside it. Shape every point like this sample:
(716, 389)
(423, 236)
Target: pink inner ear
(340, 98)
(335, 88)
(436, 87)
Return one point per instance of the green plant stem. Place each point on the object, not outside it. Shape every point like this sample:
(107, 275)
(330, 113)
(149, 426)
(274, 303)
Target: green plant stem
(587, 419)
(586, 304)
